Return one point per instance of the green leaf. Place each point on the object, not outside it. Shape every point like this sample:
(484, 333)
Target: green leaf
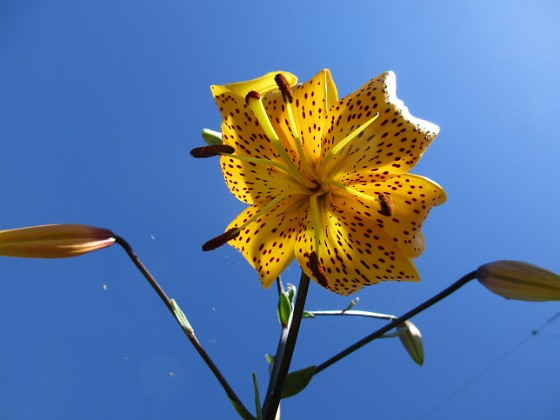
(269, 359)
(297, 381)
(306, 314)
(284, 309)
(243, 413)
(211, 137)
(257, 396)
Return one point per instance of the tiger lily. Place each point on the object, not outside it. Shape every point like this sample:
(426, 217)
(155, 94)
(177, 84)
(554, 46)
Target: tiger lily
(326, 180)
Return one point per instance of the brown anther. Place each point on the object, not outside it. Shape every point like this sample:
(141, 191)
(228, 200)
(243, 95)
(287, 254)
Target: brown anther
(221, 239)
(387, 204)
(210, 151)
(284, 87)
(252, 95)
(317, 269)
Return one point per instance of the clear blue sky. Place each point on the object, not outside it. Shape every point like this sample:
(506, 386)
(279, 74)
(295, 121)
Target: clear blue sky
(100, 102)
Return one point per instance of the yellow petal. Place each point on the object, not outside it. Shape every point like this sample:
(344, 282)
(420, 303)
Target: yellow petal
(520, 281)
(54, 241)
(352, 252)
(261, 84)
(268, 243)
(311, 101)
(392, 144)
(413, 197)
(256, 183)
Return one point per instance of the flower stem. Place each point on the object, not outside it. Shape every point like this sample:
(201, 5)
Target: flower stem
(188, 331)
(377, 334)
(284, 354)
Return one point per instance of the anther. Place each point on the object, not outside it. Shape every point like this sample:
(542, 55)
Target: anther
(387, 204)
(210, 151)
(284, 87)
(317, 269)
(252, 95)
(221, 239)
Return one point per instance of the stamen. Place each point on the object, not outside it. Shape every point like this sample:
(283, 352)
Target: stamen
(284, 87)
(387, 206)
(252, 95)
(288, 96)
(253, 100)
(317, 269)
(336, 149)
(210, 151)
(221, 239)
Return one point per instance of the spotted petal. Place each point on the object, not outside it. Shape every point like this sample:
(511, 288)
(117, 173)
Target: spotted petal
(392, 144)
(311, 101)
(353, 252)
(413, 197)
(268, 242)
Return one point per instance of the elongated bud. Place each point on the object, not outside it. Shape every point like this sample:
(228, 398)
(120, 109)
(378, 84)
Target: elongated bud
(387, 204)
(54, 241)
(211, 151)
(519, 281)
(220, 240)
(411, 339)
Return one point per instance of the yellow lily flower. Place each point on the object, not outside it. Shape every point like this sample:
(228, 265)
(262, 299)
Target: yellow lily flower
(54, 241)
(326, 179)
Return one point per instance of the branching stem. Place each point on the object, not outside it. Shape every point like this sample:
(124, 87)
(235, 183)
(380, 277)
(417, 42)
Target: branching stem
(188, 331)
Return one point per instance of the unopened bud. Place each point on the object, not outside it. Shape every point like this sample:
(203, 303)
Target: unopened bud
(54, 241)
(519, 281)
(411, 339)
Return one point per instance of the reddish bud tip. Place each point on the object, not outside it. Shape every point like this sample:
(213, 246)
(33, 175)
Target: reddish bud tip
(252, 95)
(387, 204)
(284, 87)
(317, 269)
(220, 240)
(211, 151)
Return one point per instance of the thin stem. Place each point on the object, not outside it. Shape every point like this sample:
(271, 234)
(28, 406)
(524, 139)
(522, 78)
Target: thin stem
(454, 287)
(188, 332)
(285, 352)
(352, 312)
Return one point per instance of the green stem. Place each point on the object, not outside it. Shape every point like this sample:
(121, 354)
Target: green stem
(353, 312)
(454, 287)
(285, 352)
(188, 332)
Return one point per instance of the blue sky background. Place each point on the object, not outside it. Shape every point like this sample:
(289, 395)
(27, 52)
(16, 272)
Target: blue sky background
(100, 102)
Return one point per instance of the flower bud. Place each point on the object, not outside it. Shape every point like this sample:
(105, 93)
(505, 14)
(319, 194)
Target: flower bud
(519, 281)
(54, 241)
(411, 339)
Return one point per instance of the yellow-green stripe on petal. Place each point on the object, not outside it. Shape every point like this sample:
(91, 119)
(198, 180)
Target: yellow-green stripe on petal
(54, 241)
